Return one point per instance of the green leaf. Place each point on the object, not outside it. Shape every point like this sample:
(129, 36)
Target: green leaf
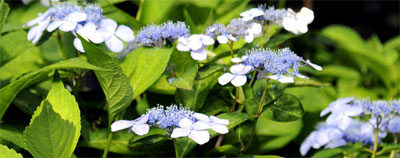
(121, 17)
(11, 133)
(340, 72)
(185, 145)
(114, 83)
(9, 153)
(144, 66)
(194, 99)
(208, 70)
(226, 150)
(393, 43)
(155, 12)
(9, 92)
(9, 50)
(186, 80)
(29, 60)
(286, 108)
(267, 156)
(338, 152)
(162, 86)
(48, 135)
(104, 3)
(279, 39)
(388, 148)
(4, 9)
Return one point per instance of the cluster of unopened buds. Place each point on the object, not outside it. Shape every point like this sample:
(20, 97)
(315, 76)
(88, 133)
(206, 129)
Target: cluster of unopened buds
(181, 121)
(354, 120)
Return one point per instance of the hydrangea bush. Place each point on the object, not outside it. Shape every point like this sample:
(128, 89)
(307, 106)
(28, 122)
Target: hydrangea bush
(92, 77)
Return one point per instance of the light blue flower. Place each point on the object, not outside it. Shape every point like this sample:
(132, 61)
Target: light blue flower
(274, 15)
(237, 76)
(220, 32)
(394, 125)
(158, 35)
(168, 117)
(251, 14)
(172, 31)
(138, 126)
(197, 131)
(195, 43)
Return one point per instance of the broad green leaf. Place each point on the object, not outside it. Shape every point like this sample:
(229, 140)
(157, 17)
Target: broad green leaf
(162, 86)
(48, 135)
(114, 83)
(267, 156)
(208, 70)
(23, 14)
(194, 99)
(286, 108)
(119, 143)
(302, 82)
(4, 9)
(339, 71)
(336, 152)
(388, 148)
(121, 17)
(274, 91)
(29, 60)
(279, 39)
(185, 145)
(9, 153)
(393, 43)
(104, 3)
(155, 12)
(12, 133)
(11, 27)
(66, 106)
(226, 150)
(307, 97)
(9, 92)
(144, 66)
(229, 10)
(186, 80)
(214, 105)
(9, 50)
(189, 21)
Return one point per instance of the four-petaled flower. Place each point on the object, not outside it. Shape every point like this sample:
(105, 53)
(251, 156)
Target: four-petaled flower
(237, 76)
(138, 126)
(196, 131)
(215, 123)
(251, 14)
(297, 22)
(197, 44)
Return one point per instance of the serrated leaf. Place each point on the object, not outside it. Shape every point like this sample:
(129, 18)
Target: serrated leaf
(9, 50)
(194, 99)
(48, 135)
(186, 80)
(144, 66)
(9, 92)
(114, 83)
(13, 134)
(4, 9)
(286, 108)
(185, 145)
(9, 153)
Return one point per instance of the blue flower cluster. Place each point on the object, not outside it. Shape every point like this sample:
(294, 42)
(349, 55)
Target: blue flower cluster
(271, 15)
(86, 21)
(355, 120)
(170, 116)
(157, 35)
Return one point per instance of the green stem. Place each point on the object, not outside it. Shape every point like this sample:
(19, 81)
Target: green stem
(376, 141)
(177, 89)
(176, 148)
(64, 54)
(260, 106)
(231, 48)
(139, 12)
(395, 141)
(108, 145)
(253, 76)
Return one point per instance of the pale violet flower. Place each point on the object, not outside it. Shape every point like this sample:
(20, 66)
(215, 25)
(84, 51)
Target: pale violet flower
(113, 34)
(342, 115)
(394, 125)
(254, 30)
(69, 23)
(237, 76)
(239, 59)
(196, 131)
(336, 105)
(297, 22)
(328, 136)
(196, 43)
(36, 32)
(138, 126)
(215, 123)
(251, 14)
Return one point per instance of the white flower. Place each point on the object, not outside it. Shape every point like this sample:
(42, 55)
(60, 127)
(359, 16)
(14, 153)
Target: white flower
(282, 78)
(138, 126)
(315, 66)
(196, 131)
(336, 105)
(237, 76)
(254, 30)
(69, 23)
(112, 34)
(36, 32)
(329, 136)
(88, 32)
(297, 22)
(239, 60)
(197, 44)
(216, 124)
(251, 14)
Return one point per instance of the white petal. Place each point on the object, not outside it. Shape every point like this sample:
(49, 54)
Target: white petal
(246, 69)
(200, 137)
(334, 119)
(125, 33)
(182, 47)
(225, 78)
(54, 25)
(32, 33)
(183, 40)
(121, 124)
(316, 67)
(96, 37)
(78, 45)
(195, 44)
(336, 143)
(247, 18)
(232, 38)
(304, 148)
(301, 27)
(68, 26)
(222, 39)
(236, 60)
(141, 129)
(199, 54)
(185, 123)
(282, 79)
(249, 37)
(219, 121)
(325, 111)
(207, 40)
(221, 129)
(33, 22)
(76, 17)
(114, 44)
(142, 119)
(201, 117)
(239, 80)
(256, 29)
(345, 122)
(200, 125)
(301, 76)
(180, 132)
(289, 24)
(353, 110)
(305, 15)
(107, 27)
(237, 69)
(37, 35)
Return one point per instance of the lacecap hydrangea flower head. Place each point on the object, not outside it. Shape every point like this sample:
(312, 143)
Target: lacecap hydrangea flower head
(86, 21)
(177, 121)
(353, 120)
(282, 65)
